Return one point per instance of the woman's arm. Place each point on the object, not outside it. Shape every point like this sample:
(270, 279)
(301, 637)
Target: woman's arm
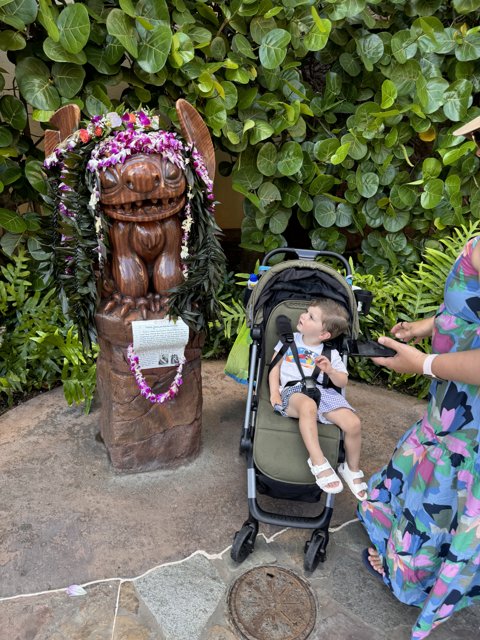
(460, 366)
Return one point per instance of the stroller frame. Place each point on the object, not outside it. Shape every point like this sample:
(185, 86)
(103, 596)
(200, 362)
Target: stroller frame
(244, 539)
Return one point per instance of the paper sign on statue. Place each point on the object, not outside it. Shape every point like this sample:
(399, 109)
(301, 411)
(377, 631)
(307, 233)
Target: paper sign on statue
(159, 343)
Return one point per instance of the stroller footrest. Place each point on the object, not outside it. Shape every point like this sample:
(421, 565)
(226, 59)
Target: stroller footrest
(283, 520)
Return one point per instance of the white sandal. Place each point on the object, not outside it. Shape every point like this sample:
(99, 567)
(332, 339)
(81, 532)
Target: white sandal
(349, 476)
(322, 481)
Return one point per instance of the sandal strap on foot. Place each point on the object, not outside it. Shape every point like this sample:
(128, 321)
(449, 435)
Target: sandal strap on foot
(318, 468)
(355, 475)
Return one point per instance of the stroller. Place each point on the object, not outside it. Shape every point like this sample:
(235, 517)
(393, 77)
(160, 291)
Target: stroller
(276, 455)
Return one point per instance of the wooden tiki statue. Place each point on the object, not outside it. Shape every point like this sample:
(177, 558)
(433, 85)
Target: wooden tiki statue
(143, 198)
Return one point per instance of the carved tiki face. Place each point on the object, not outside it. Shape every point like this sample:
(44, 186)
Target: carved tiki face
(146, 188)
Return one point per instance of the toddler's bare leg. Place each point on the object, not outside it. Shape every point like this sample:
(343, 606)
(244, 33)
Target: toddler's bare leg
(305, 409)
(349, 423)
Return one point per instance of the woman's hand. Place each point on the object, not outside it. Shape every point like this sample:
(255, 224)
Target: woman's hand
(408, 359)
(407, 331)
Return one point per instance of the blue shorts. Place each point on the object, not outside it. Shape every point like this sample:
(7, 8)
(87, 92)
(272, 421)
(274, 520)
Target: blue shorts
(329, 401)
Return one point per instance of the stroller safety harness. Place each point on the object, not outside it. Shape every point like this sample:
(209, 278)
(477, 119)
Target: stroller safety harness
(309, 383)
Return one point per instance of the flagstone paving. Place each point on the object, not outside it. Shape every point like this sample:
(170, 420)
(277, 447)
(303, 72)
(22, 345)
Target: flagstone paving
(151, 551)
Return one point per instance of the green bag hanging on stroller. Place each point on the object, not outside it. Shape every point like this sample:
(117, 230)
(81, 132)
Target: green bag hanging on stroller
(238, 358)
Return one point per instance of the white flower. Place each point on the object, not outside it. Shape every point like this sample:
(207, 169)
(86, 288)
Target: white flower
(92, 203)
(113, 119)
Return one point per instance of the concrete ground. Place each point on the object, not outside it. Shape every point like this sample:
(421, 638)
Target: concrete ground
(151, 551)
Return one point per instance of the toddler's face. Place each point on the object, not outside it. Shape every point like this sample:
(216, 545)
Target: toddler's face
(310, 325)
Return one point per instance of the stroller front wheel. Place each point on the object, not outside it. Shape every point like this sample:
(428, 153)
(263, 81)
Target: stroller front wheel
(244, 542)
(315, 550)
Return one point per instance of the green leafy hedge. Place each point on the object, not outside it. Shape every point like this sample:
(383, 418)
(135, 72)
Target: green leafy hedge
(38, 348)
(337, 116)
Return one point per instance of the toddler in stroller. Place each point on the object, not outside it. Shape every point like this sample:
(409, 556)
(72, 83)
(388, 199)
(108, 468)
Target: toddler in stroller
(305, 355)
(275, 451)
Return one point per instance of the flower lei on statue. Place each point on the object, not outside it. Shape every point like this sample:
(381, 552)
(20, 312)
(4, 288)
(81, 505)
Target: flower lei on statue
(77, 231)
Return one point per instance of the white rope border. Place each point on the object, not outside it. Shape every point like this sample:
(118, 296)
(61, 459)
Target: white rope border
(208, 556)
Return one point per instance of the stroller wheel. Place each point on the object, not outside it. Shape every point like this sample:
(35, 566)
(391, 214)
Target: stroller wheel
(244, 542)
(315, 550)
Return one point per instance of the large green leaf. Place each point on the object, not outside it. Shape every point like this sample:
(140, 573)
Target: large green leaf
(403, 46)
(261, 131)
(154, 49)
(317, 38)
(240, 44)
(182, 50)
(122, 27)
(433, 193)
(389, 94)
(11, 41)
(469, 48)
(405, 75)
(68, 78)
(12, 221)
(324, 149)
(36, 176)
(260, 27)
(248, 178)
(344, 215)
(215, 113)
(19, 12)
(367, 183)
(99, 59)
(54, 51)
(291, 194)
(431, 168)
(33, 78)
(340, 154)
(46, 16)
(290, 158)
(273, 49)
(156, 11)
(466, 6)
(279, 221)
(394, 220)
(324, 211)
(267, 159)
(6, 137)
(97, 101)
(74, 27)
(450, 156)
(431, 93)
(370, 49)
(457, 100)
(350, 64)
(13, 112)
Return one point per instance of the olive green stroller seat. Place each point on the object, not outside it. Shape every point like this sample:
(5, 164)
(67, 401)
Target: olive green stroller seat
(276, 456)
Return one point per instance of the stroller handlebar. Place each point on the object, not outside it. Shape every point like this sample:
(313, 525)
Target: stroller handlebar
(308, 254)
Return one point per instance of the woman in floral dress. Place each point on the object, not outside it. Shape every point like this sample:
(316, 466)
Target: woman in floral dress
(422, 514)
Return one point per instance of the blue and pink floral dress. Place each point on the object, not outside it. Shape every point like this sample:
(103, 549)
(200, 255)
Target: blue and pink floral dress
(423, 508)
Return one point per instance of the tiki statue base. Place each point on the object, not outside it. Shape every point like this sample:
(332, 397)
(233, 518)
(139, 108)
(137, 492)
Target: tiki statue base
(141, 436)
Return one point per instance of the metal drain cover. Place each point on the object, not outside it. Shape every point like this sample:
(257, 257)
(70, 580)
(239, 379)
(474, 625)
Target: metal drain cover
(272, 603)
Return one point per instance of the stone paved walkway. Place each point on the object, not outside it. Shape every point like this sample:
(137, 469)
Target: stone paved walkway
(152, 550)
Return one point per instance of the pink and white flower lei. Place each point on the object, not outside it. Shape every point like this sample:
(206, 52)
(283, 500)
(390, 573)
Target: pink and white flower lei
(145, 390)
